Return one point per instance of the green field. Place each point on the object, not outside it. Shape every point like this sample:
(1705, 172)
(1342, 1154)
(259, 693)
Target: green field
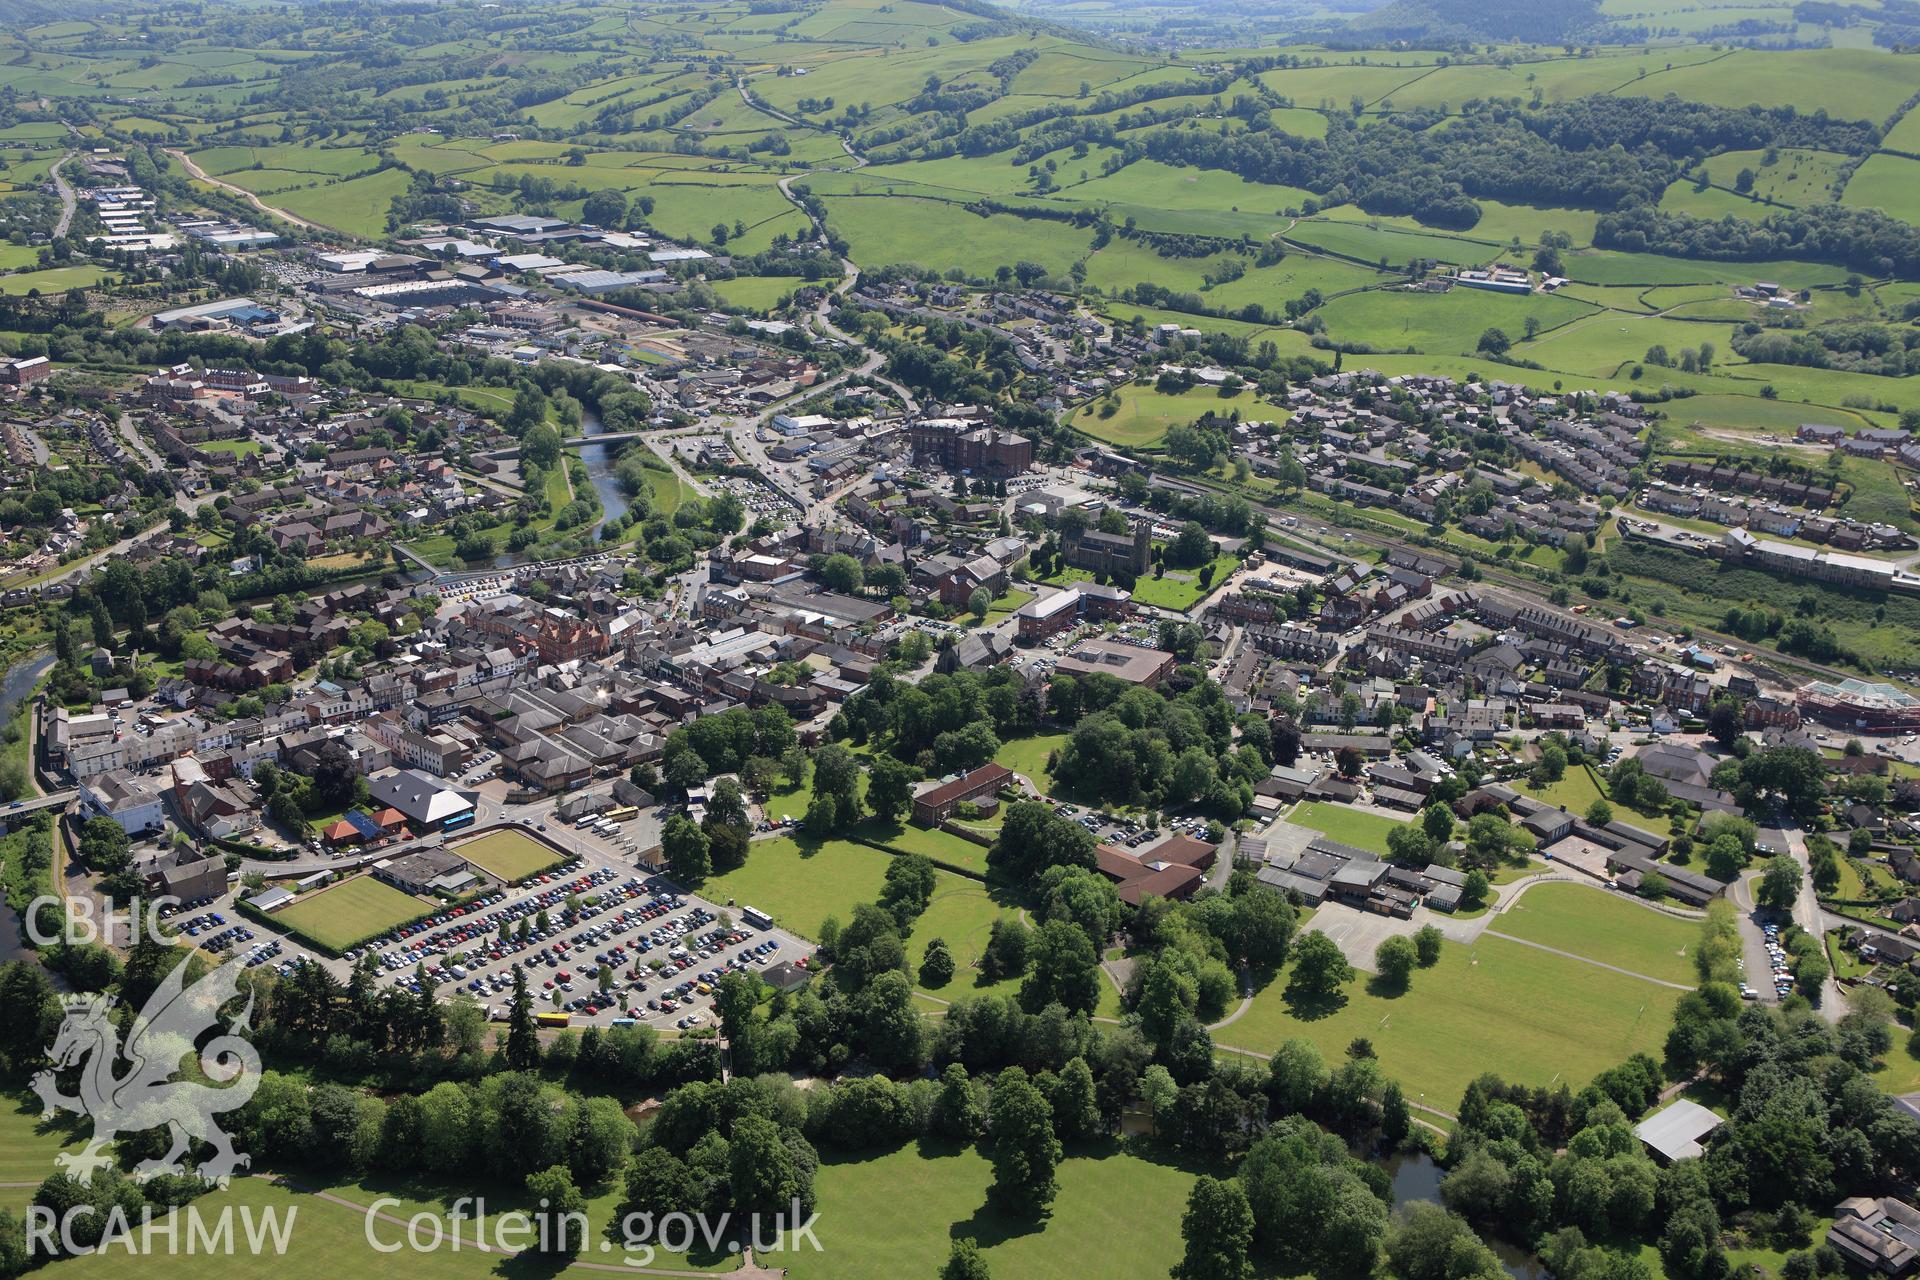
(1360, 829)
(330, 1238)
(1534, 1018)
(1575, 791)
(888, 1216)
(1451, 322)
(55, 280)
(1144, 414)
(1890, 184)
(800, 885)
(1028, 757)
(756, 293)
(884, 230)
(1180, 589)
(237, 448)
(1603, 926)
(508, 855)
(349, 913)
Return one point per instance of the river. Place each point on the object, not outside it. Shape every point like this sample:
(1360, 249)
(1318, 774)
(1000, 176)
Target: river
(16, 688)
(1417, 1177)
(599, 461)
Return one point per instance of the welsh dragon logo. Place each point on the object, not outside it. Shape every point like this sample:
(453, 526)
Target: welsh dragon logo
(146, 1095)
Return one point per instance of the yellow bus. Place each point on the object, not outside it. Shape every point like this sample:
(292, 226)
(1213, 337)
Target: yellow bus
(553, 1019)
(625, 813)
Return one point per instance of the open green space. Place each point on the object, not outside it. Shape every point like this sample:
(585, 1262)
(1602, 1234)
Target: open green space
(1575, 790)
(330, 1237)
(1398, 319)
(1181, 589)
(1028, 757)
(55, 280)
(1890, 184)
(1144, 414)
(756, 293)
(1590, 921)
(1356, 827)
(348, 913)
(237, 448)
(508, 855)
(892, 1215)
(801, 883)
(1533, 1017)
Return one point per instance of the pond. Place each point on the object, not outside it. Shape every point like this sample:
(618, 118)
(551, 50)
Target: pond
(1417, 1177)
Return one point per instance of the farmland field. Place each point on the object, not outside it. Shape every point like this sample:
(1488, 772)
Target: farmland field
(1388, 320)
(508, 855)
(350, 912)
(1890, 184)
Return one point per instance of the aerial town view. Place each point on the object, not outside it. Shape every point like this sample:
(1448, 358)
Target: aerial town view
(931, 639)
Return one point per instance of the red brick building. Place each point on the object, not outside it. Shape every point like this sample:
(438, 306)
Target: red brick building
(961, 446)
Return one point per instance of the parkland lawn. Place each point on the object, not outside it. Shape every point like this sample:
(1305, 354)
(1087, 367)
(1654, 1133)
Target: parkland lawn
(1356, 827)
(508, 855)
(881, 1215)
(1533, 1017)
(344, 914)
(800, 885)
(1144, 414)
(1603, 926)
(892, 1215)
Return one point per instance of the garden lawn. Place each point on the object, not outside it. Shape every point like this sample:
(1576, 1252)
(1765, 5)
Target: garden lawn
(349, 912)
(1028, 757)
(508, 855)
(885, 1216)
(1356, 827)
(1575, 792)
(1180, 589)
(1533, 1017)
(1144, 414)
(1589, 921)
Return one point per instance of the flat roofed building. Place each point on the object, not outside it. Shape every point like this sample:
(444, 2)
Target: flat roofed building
(1125, 662)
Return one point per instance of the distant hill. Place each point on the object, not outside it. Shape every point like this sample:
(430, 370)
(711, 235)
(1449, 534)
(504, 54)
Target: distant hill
(1448, 21)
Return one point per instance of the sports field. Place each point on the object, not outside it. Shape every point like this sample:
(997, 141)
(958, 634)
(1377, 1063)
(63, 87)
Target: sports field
(1349, 826)
(344, 914)
(508, 855)
(1600, 925)
(1534, 1017)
